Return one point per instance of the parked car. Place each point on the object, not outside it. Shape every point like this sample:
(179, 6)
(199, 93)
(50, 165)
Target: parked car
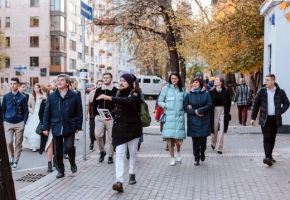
(150, 85)
(116, 84)
(89, 87)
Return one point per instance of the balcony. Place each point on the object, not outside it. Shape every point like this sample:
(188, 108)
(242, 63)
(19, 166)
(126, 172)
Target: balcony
(55, 68)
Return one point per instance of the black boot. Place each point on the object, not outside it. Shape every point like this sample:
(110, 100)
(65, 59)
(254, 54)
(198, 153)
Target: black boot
(132, 179)
(49, 168)
(73, 163)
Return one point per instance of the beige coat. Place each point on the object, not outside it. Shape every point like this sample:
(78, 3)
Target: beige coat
(32, 101)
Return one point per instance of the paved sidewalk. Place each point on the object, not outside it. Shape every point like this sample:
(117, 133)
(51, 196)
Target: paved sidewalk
(152, 130)
(236, 174)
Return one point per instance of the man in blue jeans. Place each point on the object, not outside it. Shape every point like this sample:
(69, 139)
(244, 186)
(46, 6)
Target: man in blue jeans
(63, 114)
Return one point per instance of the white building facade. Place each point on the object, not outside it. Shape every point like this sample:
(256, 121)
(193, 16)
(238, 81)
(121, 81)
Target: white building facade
(277, 48)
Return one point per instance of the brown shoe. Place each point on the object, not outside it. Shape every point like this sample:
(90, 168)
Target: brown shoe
(267, 161)
(118, 187)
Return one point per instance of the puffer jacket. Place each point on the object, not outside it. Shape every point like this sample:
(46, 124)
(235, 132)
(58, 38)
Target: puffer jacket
(63, 115)
(261, 103)
(171, 99)
(200, 101)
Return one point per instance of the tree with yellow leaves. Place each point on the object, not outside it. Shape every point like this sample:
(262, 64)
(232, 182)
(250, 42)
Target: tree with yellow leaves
(230, 39)
(3, 43)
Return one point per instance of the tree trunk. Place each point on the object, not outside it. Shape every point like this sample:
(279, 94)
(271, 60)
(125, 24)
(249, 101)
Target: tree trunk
(7, 190)
(256, 80)
(182, 71)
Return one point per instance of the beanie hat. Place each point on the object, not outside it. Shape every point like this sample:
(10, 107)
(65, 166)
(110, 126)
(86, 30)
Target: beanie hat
(130, 79)
(198, 74)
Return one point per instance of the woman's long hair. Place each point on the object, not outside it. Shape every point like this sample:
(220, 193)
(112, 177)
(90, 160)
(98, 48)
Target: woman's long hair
(47, 94)
(179, 80)
(33, 92)
(223, 84)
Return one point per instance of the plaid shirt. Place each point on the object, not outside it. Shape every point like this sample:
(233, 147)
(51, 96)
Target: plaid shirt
(243, 95)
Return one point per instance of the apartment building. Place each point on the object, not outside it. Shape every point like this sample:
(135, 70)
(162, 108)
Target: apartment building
(45, 37)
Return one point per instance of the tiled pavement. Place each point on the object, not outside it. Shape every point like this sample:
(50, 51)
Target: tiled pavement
(236, 174)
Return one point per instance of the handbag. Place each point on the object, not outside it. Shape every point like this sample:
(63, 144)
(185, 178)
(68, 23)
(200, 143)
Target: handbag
(39, 129)
(162, 118)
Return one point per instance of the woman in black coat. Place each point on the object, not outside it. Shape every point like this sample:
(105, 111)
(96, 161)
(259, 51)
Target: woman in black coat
(46, 143)
(220, 113)
(197, 105)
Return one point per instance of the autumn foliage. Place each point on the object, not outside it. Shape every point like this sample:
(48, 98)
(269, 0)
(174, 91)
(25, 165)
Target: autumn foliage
(230, 38)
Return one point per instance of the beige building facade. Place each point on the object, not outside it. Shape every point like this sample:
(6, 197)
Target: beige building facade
(46, 37)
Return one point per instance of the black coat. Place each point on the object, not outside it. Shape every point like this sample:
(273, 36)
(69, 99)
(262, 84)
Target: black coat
(227, 108)
(261, 102)
(43, 138)
(127, 123)
(64, 114)
(104, 104)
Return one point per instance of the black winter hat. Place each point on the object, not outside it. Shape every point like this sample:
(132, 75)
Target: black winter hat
(130, 78)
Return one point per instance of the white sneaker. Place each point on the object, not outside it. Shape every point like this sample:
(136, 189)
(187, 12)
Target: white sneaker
(178, 157)
(172, 162)
(77, 136)
(34, 149)
(14, 167)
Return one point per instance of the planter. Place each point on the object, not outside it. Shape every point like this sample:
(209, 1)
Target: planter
(101, 51)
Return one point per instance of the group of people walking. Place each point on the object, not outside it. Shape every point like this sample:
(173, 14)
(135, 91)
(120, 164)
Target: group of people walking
(61, 115)
(208, 113)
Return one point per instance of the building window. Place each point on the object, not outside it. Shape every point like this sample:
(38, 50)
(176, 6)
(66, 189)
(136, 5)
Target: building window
(7, 3)
(34, 41)
(58, 61)
(92, 52)
(72, 27)
(34, 21)
(72, 8)
(7, 62)
(7, 40)
(7, 22)
(57, 43)
(87, 50)
(72, 45)
(34, 61)
(57, 23)
(34, 3)
(81, 38)
(57, 5)
(80, 55)
(72, 64)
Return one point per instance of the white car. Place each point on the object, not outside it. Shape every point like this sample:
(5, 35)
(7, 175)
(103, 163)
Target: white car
(150, 85)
